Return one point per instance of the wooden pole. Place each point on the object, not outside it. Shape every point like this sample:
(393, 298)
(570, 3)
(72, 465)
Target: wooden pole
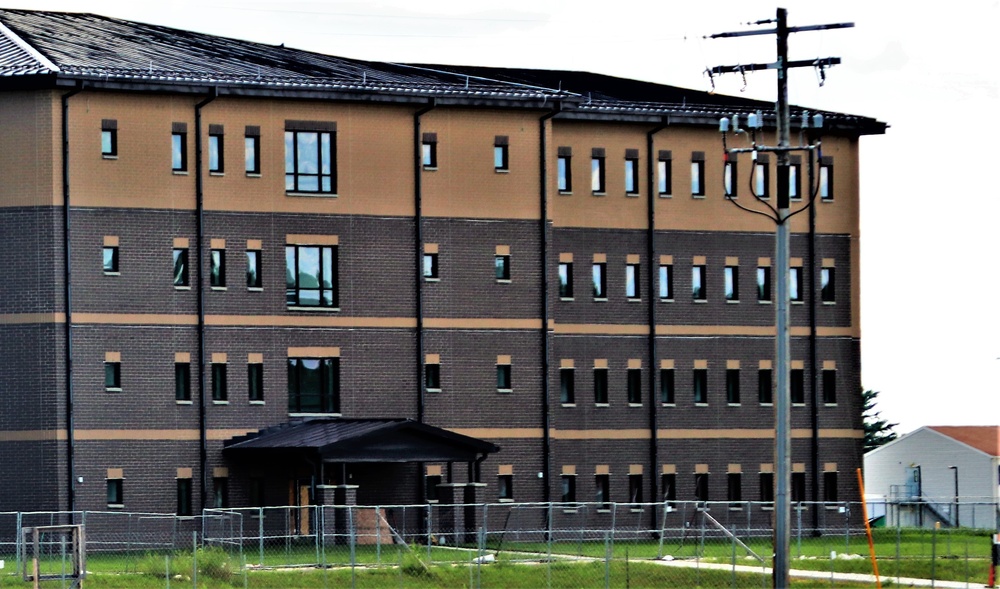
(868, 529)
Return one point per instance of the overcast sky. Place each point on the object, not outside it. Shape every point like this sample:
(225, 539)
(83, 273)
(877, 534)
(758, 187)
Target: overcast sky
(928, 215)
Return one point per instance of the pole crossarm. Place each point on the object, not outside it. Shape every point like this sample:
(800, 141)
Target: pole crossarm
(756, 67)
(772, 149)
(827, 27)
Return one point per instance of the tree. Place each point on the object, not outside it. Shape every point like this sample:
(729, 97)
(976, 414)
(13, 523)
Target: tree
(878, 431)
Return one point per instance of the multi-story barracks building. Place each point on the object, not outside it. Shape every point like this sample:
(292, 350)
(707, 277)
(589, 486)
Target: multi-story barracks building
(244, 274)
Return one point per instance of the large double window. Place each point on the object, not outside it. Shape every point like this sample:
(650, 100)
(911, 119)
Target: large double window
(310, 157)
(311, 276)
(314, 385)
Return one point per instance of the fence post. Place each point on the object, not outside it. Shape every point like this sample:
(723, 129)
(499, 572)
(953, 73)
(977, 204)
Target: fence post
(166, 570)
(260, 535)
(350, 526)
(798, 533)
(733, 553)
(548, 560)
(430, 535)
(934, 551)
(378, 535)
(17, 540)
(194, 558)
(607, 556)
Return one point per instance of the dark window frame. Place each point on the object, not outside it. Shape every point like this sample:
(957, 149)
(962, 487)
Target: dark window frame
(564, 170)
(110, 263)
(185, 492)
(220, 492)
(829, 380)
(217, 268)
(251, 150)
(112, 375)
(764, 283)
(216, 144)
(700, 386)
(598, 172)
(254, 278)
(599, 280)
(668, 486)
(668, 387)
(826, 179)
(501, 267)
(796, 293)
(797, 386)
(765, 386)
(702, 489)
(698, 173)
(505, 378)
(699, 290)
(328, 393)
(178, 148)
(428, 151)
(431, 483)
(296, 168)
(505, 487)
(798, 487)
(567, 386)
(734, 489)
(568, 486)
(602, 491)
(827, 284)
(326, 296)
(182, 268)
(635, 488)
(109, 138)
(731, 283)
(633, 287)
(565, 278)
(432, 376)
(601, 386)
(115, 492)
(429, 267)
(220, 381)
(766, 486)
(633, 385)
(664, 174)
(632, 179)
(733, 386)
(255, 381)
(666, 282)
(830, 492)
(762, 178)
(730, 179)
(501, 154)
(182, 381)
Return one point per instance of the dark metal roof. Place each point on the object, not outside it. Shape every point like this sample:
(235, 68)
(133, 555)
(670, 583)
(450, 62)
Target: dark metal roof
(362, 440)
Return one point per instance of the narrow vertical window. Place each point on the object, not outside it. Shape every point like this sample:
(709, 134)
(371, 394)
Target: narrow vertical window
(602, 491)
(731, 277)
(632, 171)
(794, 177)
(730, 178)
(251, 149)
(255, 381)
(797, 384)
(568, 488)
(505, 487)
(567, 386)
(216, 149)
(633, 385)
(182, 381)
(830, 494)
(311, 157)
(109, 138)
(430, 266)
(312, 276)
(601, 386)
(767, 487)
(501, 155)
(795, 284)
(666, 282)
(701, 486)
(253, 269)
(798, 487)
(566, 280)
(600, 280)
(635, 488)
(501, 265)
(314, 385)
(597, 179)
(698, 283)
(698, 173)
(217, 273)
(632, 281)
(116, 495)
(765, 388)
(181, 267)
(220, 390)
(829, 387)
(700, 386)
(668, 482)
(826, 285)
(428, 151)
(110, 256)
(113, 375)
(564, 172)
(734, 488)
(220, 492)
(763, 283)
(178, 147)
(432, 376)
(504, 378)
(667, 386)
(184, 490)
(762, 177)
(733, 386)
(431, 484)
(664, 173)
(826, 178)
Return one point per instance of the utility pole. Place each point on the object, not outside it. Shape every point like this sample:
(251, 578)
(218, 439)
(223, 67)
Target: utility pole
(780, 215)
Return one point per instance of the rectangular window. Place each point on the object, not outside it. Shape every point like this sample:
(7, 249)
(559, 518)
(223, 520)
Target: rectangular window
(798, 487)
(504, 378)
(601, 386)
(431, 483)
(701, 486)
(112, 376)
(730, 179)
(432, 376)
(253, 269)
(765, 389)
(217, 272)
(731, 275)
(794, 182)
(505, 487)
(182, 381)
(734, 488)
(667, 386)
(733, 386)
(764, 283)
(597, 179)
(795, 292)
(564, 173)
(700, 385)
(428, 151)
(255, 381)
(634, 385)
(311, 276)
(178, 147)
(767, 487)
(632, 281)
(216, 149)
(830, 487)
(111, 259)
(251, 150)
(109, 138)
(826, 285)
(762, 179)
(501, 161)
(314, 385)
(632, 171)
(668, 482)
(698, 173)
(829, 386)
(698, 283)
(666, 282)
(258, 496)
(501, 265)
(220, 492)
(568, 488)
(430, 269)
(602, 491)
(600, 280)
(567, 386)
(181, 267)
(220, 389)
(310, 157)
(184, 503)
(797, 384)
(826, 179)
(566, 280)
(116, 496)
(635, 488)
(664, 173)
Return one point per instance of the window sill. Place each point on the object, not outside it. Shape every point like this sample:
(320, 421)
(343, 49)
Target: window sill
(505, 391)
(214, 402)
(668, 404)
(701, 404)
(698, 196)
(185, 517)
(602, 404)
(767, 404)
(181, 402)
(599, 193)
(666, 300)
(106, 273)
(831, 507)
(223, 288)
(433, 501)
(826, 200)
(829, 404)
(571, 510)
(763, 302)
(700, 301)
(313, 194)
(732, 301)
(182, 287)
(505, 500)
(315, 309)
(767, 508)
(635, 404)
(798, 302)
(430, 168)
(502, 170)
(665, 195)
(253, 175)
(253, 402)
(116, 506)
(798, 404)
(636, 510)
(112, 389)
(433, 390)
(565, 298)
(217, 174)
(180, 172)
(108, 156)
(829, 303)
(569, 404)
(632, 195)
(635, 300)
(565, 193)
(504, 281)
(600, 300)
(431, 279)
(735, 508)
(255, 288)
(314, 414)
(733, 404)
(603, 511)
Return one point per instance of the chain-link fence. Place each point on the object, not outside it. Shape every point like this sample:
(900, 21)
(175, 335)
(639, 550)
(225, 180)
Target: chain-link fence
(708, 544)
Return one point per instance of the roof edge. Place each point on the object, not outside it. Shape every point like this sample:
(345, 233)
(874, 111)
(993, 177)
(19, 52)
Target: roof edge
(28, 48)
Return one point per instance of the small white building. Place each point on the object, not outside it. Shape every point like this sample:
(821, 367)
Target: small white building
(947, 474)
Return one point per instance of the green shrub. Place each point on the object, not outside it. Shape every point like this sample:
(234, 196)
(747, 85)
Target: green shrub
(213, 562)
(414, 567)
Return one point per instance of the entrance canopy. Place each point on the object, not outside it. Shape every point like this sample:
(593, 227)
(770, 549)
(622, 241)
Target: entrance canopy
(359, 440)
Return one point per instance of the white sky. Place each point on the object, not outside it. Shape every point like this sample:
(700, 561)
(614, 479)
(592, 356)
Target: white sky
(929, 237)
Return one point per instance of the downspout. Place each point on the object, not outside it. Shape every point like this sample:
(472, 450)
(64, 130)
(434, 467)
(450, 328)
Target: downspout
(418, 234)
(651, 313)
(67, 301)
(200, 232)
(814, 413)
(543, 197)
